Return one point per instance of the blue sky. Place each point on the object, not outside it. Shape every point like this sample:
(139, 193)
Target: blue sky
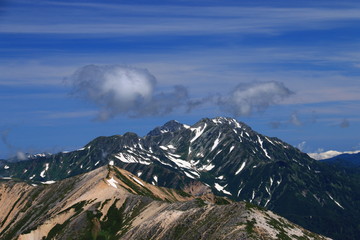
(289, 69)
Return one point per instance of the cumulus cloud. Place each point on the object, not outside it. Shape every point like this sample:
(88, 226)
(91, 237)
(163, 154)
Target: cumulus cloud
(131, 91)
(119, 89)
(248, 98)
(345, 123)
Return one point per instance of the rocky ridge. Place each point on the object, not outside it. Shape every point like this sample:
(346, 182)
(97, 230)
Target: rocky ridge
(112, 203)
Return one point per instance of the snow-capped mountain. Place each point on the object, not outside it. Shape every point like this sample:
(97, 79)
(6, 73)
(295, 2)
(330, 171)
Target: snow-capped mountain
(229, 157)
(330, 154)
(112, 203)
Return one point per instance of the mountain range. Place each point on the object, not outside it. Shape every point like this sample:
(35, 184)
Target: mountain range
(347, 160)
(112, 203)
(227, 157)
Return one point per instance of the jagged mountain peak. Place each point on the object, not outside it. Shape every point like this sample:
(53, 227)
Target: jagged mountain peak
(223, 120)
(224, 124)
(170, 126)
(131, 135)
(37, 155)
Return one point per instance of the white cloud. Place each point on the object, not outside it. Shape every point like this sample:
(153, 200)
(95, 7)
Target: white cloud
(119, 89)
(248, 98)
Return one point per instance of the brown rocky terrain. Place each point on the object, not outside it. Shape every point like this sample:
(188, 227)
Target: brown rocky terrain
(111, 203)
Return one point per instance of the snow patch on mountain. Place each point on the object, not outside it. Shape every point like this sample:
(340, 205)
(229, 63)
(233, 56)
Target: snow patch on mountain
(221, 188)
(112, 182)
(241, 168)
(127, 158)
(216, 143)
(207, 167)
(232, 148)
(170, 146)
(336, 202)
(198, 131)
(238, 194)
(267, 202)
(224, 120)
(163, 148)
(42, 174)
(179, 162)
(49, 182)
(262, 147)
(270, 141)
(216, 121)
(136, 180)
(189, 175)
(252, 196)
(267, 190)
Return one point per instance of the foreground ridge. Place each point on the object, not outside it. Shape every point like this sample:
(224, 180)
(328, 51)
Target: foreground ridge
(112, 203)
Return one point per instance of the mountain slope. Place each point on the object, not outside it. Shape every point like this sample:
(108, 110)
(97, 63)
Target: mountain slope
(111, 203)
(346, 160)
(226, 155)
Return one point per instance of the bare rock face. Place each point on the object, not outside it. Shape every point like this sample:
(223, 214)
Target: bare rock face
(112, 203)
(197, 188)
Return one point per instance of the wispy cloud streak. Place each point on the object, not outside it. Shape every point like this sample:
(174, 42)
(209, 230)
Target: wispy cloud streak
(93, 18)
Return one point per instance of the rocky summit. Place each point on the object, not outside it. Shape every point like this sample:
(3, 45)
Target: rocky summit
(227, 157)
